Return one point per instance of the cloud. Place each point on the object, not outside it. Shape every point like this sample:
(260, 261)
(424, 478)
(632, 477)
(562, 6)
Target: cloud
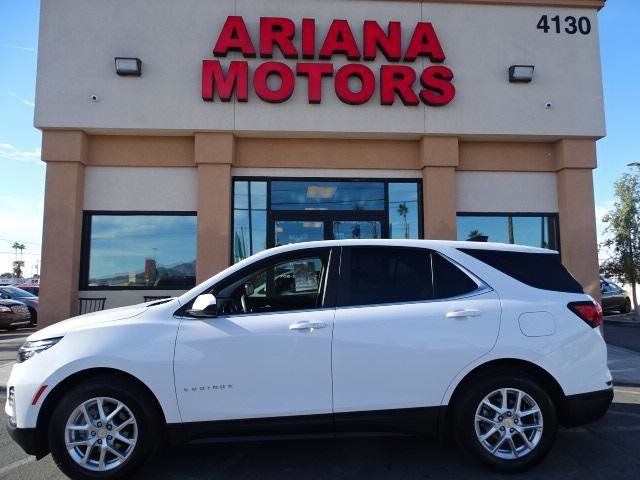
(26, 102)
(9, 152)
(18, 47)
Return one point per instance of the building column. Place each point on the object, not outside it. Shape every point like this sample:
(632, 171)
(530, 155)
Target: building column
(214, 154)
(575, 160)
(65, 153)
(438, 161)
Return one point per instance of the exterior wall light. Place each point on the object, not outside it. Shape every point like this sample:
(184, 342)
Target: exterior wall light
(521, 73)
(128, 67)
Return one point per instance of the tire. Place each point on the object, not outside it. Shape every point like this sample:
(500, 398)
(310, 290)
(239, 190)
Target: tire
(34, 318)
(468, 431)
(627, 306)
(145, 430)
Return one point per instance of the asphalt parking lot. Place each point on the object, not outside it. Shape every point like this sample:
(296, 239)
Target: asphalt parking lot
(607, 449)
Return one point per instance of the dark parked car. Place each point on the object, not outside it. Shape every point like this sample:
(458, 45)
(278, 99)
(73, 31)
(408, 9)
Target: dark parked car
(30, 300)
(614, 298)
(13, 315)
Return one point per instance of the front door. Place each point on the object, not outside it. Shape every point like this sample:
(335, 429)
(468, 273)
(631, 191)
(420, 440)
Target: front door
(312, 226)
(268, 352)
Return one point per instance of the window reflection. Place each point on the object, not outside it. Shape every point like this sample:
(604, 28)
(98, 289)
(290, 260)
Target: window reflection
(531, 230)
(151, 251)
(403, 210)
(312, 195)
(249, 218)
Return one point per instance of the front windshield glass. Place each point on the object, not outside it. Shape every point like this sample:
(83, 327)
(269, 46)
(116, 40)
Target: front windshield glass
(14, 292)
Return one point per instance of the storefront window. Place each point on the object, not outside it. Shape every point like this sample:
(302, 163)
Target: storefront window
(273, 212)
(249, 218)
(532, 230)
(404, 212)
(314, 195)
(150, 251)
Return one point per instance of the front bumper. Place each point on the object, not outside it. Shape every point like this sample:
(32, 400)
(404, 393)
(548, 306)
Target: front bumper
(25, 437)
(586, 407)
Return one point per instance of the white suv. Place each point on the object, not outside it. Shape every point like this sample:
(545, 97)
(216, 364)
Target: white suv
(495, 343)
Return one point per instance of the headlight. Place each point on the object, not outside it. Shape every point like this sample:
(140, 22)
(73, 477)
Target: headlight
(29, 349)
(4, 309)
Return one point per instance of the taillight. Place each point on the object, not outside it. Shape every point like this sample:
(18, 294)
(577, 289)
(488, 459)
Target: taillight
(590, 312)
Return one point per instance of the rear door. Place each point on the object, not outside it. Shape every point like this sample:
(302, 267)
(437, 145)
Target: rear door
(408, 320)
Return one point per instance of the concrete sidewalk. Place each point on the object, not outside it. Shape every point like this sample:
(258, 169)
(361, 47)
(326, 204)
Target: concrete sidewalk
(624, 365)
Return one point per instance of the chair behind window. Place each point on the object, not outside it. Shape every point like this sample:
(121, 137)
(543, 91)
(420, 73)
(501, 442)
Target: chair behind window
(88, 305)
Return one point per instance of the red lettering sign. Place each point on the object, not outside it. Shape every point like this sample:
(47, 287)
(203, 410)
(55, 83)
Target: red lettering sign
(354, 83)
(287, 82)
(234, 37)
(213, 79)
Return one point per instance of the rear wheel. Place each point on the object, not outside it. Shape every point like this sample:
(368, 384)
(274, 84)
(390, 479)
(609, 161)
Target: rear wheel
(100, 429)
(34, 317)
(627, 306)
(506, 420)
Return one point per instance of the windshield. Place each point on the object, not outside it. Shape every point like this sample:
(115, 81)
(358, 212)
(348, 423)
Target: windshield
(14, 292)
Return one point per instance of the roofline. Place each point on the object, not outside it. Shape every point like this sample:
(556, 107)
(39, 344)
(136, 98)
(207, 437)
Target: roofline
(597, 4)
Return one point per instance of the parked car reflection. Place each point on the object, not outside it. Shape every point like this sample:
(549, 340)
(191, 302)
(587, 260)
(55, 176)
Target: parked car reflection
(13, 314)
(20, 295)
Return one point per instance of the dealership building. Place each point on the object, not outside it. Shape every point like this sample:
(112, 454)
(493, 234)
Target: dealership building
(182, 136)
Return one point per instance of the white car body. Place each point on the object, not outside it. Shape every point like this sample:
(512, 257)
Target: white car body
(394, 357)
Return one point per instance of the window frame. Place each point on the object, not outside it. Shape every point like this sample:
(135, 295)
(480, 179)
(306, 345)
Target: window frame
(294, 214)
(554, 215)
(343, 299)
(328, 285)
(85, 247)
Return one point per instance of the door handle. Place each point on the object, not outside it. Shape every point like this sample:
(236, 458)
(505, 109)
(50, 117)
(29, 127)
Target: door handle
(307, 325)
(465, 313)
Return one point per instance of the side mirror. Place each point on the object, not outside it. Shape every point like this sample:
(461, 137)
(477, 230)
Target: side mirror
(205, 306)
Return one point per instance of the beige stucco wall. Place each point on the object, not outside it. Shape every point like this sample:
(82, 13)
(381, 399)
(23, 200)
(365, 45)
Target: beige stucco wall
(480, 38)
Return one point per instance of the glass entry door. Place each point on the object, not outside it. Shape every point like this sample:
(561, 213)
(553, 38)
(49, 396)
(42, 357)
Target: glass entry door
(311, 227)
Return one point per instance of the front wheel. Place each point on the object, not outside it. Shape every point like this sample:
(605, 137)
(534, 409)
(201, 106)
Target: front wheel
(507, 421)
(103, 429)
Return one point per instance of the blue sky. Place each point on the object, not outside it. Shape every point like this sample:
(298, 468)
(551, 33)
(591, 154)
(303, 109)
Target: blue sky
(22, 192)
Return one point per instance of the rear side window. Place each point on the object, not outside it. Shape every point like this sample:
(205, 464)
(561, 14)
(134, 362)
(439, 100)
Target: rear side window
(448, 280)
(538, 270)
(375, 275)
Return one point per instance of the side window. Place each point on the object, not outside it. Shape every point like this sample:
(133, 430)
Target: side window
(386, 275)
(448, 280)
(294, 284)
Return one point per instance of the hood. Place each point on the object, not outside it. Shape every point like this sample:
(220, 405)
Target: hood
(59, 329)
(31, 301)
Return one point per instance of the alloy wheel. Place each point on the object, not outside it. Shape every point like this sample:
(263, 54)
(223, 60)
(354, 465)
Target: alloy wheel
(508, 423)
(101, 434)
